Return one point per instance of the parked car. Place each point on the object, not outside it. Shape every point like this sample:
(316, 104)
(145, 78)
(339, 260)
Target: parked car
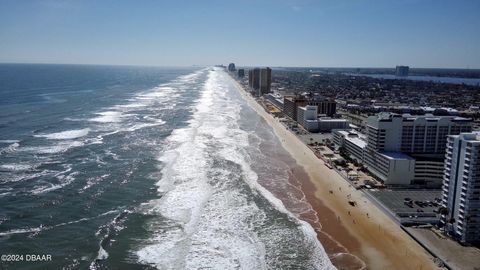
(419, 203)
(408, 203)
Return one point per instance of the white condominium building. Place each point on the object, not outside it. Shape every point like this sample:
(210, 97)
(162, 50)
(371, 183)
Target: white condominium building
(461, 187)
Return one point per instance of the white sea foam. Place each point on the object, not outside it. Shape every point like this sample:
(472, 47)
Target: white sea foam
(44, 227)
(5, 192)
(159, 92)
(10, 148)
(102, 254)
(53, 149)
(16, 167)
(9, 141)
(108, 117)
(18, 175)
(21, 231)
(65, 135)
(131, 106)
(190, 77)
(63, 180)
(143, 125)
(186, 193)
(73, 119)
(213, 226)
(91, 181)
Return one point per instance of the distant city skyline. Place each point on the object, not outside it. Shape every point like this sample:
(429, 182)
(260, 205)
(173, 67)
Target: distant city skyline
(304, 33)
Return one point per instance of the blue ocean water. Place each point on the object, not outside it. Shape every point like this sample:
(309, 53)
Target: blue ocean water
(141, 168)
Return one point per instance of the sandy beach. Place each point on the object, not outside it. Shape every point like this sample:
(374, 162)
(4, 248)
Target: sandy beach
(354, 237)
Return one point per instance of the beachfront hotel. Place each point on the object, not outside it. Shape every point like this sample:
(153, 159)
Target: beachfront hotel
(424, 135)
(260, 80)
(404, 149)
(254, 79)
(308, 117)
(461, 187)
(265, 81)
(413, 146)
(326, 107)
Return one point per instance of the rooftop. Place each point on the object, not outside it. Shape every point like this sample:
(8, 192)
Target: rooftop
(328, 119)
(396, 155)
(357, 141)
(354, 137)
(471, 137)
(387, 116)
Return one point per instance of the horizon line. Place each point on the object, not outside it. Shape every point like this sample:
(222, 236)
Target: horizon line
(211, 65)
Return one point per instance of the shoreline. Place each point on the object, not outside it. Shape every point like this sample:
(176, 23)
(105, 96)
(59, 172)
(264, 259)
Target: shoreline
(364, 230)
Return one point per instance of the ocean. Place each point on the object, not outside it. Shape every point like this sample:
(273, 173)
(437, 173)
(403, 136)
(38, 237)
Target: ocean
(124, 167)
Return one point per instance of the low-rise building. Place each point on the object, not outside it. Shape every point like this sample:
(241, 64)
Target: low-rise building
(428, 172)
(276, 100)
(351, 142)
(307, 117)
(326, 124)
(392, 168)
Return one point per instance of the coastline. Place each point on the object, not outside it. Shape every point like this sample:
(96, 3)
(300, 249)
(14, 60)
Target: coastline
(350, 235)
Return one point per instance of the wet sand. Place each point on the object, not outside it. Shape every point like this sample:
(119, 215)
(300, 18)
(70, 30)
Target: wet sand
(354, 237)
(339, 244)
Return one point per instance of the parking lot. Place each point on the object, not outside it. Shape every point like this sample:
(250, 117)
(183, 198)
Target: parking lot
(395, 201)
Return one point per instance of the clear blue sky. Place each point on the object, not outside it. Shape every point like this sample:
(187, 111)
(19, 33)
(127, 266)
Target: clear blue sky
(335, 33)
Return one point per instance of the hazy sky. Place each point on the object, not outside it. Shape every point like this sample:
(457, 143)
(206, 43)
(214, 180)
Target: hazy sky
(336, 33)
